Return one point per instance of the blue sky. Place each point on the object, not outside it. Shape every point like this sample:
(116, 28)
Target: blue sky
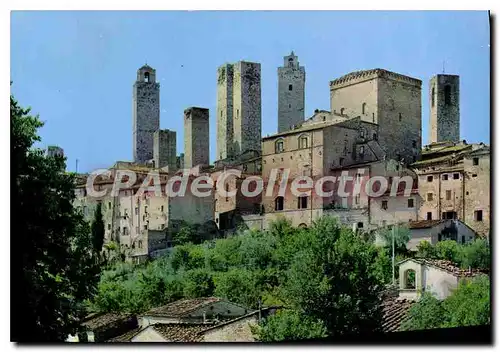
(76, 69)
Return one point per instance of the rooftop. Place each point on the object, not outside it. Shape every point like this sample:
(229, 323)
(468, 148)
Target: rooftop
(450, 267)
(377, 72)
(395, 311)
(182, 307)
(181, 332)
(424, 224)
(99, 321)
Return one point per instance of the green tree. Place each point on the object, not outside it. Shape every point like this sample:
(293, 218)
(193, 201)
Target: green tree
(402, 236)
(198, 283)
(239, 286)
(469, 304)
(97, 230)
(476, 255)
(425, 250)
(449, 250)
(55, 272)
(333, 279)
(289, 325)
(427, 313)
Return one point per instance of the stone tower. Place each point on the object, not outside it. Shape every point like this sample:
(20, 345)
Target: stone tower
(196, 137)
(238, 109)
(444, 94)
(291, 93)
(165, 149)
(146, 113)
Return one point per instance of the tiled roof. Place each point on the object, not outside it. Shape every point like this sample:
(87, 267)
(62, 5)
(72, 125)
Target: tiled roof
(424, 224)
(395, 311)
(366, 73)
(181, 332)
(126, 337)
(182, 307)
(99, 321)
(450, 267)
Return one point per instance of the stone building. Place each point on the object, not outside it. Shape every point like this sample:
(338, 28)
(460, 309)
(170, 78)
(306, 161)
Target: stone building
(145, 112)
(454, 183)
(388, 99)
(291, 93)
(238, 109)
(53, 150)
(444, 91)
(165, 149)
(196, 137)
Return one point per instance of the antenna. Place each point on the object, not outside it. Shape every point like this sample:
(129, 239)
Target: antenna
(76, 167)
(443, 66)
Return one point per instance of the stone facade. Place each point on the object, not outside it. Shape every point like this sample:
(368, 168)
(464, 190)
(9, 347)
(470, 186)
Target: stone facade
(196, 137)
(238, 109)
(454, 183)
(291, 93)
(391, 100)
(237, 331)
(53, 150)
(146, 113)
(165, 149)
(444, 100)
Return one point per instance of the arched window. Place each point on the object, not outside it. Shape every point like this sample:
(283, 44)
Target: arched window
(410, 279)
(280, 146)
(146, 77)
(433, 96)
(290, 62)
(303, 226)
(278, 203)
(303, 142)
(363, 108)
(290, 87)
(342, 111)
(447, 94)
(375, 137)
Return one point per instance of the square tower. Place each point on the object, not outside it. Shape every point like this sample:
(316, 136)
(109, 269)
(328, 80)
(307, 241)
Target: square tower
(291, 93)
(444, 102)
(196, 137)
(165, 149)
(388, 99)
(238, 109)
(146, 113)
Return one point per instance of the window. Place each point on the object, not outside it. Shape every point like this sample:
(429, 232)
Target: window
(221, 113)
(146, 209)
(429, 178)
(109, 226)
(410, 203)
(341, 161)
(400, 117)
(430, 196)
(447, 94)
(474, 175)
(375, 137)
(362, 150)
(161, 209)
(433, 94)
(302, 203)
(290, 62)
(414, 143)
(362, 134)
(384, 223)
(109, 205)
(429, 215)
(445, 177)
(448, 195)
(409, 279)
(456, 176)
(463, 239)
(279, 146)
(478, 215)
(278, 203)
(289, 106)
(125, 231)
(303, 142)
(373, 117)
(342, 111)
(363, 108)
(360, 225)
(357, 199)
(475, 161)
(136, 211)
(290, 87)
(145, 227)
(146, 77)
(139, 244)
(237, 113)
(384, 204)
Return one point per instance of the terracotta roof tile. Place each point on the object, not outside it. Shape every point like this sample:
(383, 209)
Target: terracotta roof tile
(182, 332)
(126, 337)
(395, 311)
(100, 321)
(424, 224)
(182, 307)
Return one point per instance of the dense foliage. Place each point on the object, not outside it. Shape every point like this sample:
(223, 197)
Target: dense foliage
(475, 254)
(54, 267)
(326, 276)
(468, 305)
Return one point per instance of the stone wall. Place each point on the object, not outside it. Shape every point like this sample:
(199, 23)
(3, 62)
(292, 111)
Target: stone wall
(196, 137)
(146, 114)
(444, 111)
(291, 93)
(224, 112)
(477, 191)
(238, 331)
(165, 149)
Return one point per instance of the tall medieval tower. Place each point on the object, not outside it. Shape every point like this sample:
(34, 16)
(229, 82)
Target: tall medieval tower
(196, 137)
(291, 93)
(146, 113)
(238, 109)
(444, 91)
